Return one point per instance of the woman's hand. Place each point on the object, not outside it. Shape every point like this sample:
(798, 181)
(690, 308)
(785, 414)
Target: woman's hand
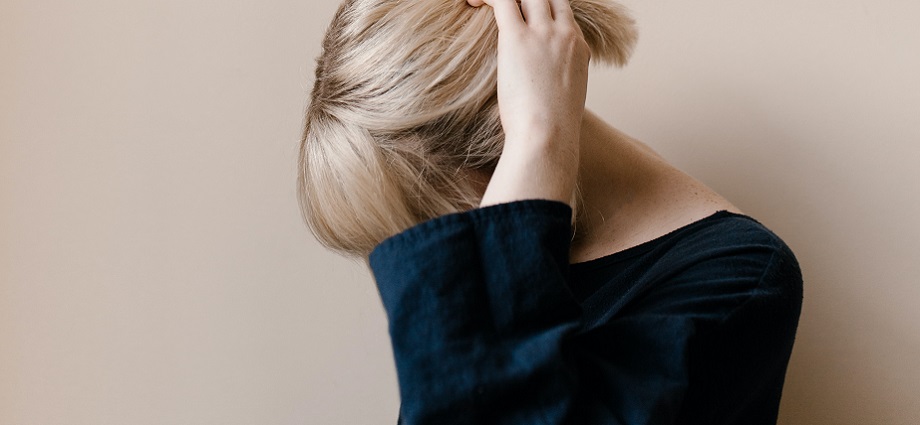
(542, 79)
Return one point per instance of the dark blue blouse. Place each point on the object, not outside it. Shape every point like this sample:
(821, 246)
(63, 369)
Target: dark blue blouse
(490, 324)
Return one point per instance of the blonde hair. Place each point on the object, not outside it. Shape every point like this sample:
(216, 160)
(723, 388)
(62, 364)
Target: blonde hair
(403, 113)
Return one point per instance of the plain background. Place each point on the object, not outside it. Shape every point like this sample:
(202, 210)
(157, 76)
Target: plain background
(154, 268)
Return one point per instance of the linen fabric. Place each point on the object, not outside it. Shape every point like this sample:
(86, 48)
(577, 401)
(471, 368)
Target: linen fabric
(490, 324)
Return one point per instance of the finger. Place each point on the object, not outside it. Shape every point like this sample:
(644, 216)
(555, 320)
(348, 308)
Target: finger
(507, 13)
(536, 11)
(475, 3)
(562, 11)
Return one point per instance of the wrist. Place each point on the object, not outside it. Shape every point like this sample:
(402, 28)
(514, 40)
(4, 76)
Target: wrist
(534, 170)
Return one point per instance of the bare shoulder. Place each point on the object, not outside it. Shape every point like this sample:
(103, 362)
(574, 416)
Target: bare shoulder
(684, 198)
(662, 199)
(674, 198)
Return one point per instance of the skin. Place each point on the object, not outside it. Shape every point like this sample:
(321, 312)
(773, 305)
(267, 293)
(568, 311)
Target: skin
(630, 194)
(542, 81)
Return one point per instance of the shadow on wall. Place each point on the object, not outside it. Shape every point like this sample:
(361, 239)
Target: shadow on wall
(853, 362)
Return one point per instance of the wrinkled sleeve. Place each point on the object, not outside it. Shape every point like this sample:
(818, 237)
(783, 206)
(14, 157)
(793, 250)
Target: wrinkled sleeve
(478, 310)
(485, 330)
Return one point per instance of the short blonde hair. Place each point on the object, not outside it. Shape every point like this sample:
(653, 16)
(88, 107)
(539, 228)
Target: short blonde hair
(403, 112)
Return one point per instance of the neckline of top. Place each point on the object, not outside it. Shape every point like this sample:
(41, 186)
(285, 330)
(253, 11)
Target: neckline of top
(643, 247)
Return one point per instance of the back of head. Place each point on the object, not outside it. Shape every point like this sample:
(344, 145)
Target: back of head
(403, 113)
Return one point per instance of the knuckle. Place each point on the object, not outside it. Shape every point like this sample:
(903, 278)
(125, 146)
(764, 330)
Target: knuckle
(572, 38)
(518, 34)
(572, 35)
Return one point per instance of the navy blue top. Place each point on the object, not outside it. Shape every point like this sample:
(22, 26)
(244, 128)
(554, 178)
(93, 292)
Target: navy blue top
(490, 324)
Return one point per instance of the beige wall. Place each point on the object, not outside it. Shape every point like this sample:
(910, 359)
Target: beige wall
(153, 268)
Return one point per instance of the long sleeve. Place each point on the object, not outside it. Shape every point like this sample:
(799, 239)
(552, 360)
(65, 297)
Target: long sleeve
(478, 311)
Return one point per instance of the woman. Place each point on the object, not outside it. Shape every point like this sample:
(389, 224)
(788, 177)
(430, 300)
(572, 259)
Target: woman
(448, 142)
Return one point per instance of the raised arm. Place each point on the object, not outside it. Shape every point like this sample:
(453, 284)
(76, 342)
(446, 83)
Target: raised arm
(478, 305)
(542, 81)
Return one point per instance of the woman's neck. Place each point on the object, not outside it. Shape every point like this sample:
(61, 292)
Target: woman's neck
(629, 194)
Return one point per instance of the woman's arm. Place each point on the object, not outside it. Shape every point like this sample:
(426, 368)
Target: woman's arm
(542, 81)
(479, 314)
(477, 302)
